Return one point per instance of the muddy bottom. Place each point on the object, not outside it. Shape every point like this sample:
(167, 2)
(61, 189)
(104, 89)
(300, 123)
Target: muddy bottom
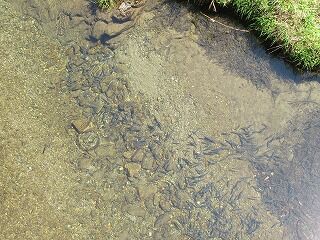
(153, 123)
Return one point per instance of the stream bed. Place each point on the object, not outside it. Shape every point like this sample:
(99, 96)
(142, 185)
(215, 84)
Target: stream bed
(156, 123)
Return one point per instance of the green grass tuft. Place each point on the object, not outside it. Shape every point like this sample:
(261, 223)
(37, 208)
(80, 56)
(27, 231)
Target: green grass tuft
(106, 4)
(294, 25)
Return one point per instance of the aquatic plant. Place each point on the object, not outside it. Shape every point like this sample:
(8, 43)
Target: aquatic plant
(291, 26)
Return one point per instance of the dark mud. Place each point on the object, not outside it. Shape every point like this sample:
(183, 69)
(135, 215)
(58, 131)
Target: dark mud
(168, 159)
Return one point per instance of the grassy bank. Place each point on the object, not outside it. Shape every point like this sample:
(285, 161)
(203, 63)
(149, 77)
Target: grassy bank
(291, 25)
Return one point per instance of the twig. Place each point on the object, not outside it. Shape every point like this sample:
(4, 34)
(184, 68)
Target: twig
(213, 5)
(215, 21)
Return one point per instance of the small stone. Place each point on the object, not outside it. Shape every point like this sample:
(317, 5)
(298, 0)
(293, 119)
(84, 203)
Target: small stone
(82, 125)
(88, 141)
(146, 191)
(108, 151)
(137, 211)
(148, 203)
(156, 199)
(165, 205)
(101, 151)
(170, 166)
(105, 83)
(124, 6)
(138, 156)
(127, 154)
(147, 162)
(181, 182)
(85, 163)
(163, 219)
(133, 169)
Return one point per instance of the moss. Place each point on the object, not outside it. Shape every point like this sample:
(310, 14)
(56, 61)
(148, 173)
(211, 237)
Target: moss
(294, 25)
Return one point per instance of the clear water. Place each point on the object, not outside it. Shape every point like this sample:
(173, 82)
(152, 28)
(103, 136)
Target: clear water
(198, 132)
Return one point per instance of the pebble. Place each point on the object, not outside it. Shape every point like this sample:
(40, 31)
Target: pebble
(131, 195)
(156, 199)
(133, 169)
(148, 203)
(181, 182)
(170, 165)
(127, 154)
(138, 156)
(165, 205)
(83, 125)
(146, 191)
(85, 163)
(88, 141)
(162, 220)
(108, 151)
(136, 211)
(147, 162)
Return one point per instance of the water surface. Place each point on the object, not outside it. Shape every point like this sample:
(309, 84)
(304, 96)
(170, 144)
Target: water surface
(199, 132)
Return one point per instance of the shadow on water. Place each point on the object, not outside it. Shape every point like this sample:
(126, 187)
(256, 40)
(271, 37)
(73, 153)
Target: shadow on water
(240, 52)
(92, 5)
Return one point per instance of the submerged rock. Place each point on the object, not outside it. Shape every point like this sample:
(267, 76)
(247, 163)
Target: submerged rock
(88, 141)
(133, 169)
(138, 156)
(85, 163)
(108, 151)
(136, 211)
(146, 191)
(147, 163)
(163, 219)
(83, 125)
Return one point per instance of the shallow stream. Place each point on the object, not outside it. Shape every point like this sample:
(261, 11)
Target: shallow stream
(159, 124)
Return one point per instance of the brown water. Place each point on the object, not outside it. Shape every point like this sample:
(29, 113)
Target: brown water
(198, 132)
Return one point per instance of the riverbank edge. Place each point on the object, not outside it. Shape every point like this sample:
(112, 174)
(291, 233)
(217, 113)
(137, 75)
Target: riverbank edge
(291, 27)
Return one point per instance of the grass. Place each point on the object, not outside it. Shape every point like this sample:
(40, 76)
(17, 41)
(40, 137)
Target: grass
(291, 25)
(106, 4)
